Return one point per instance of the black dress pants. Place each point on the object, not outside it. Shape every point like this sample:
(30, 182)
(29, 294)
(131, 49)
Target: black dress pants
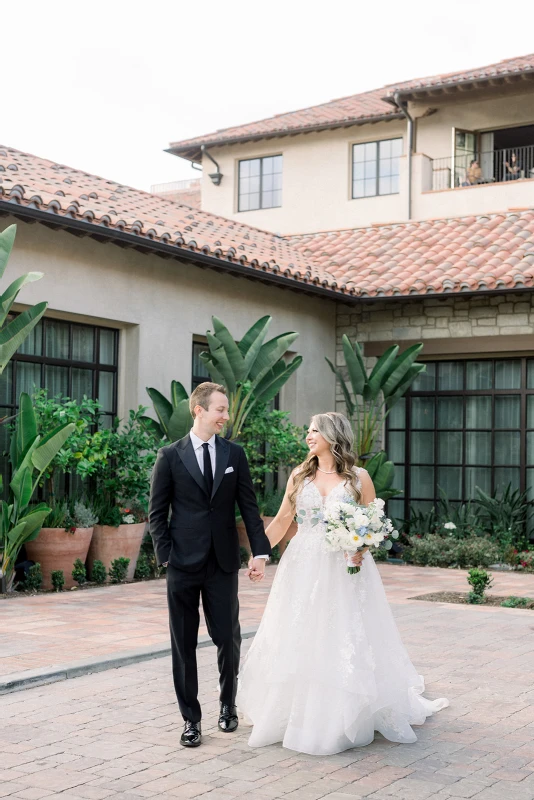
(218, 590)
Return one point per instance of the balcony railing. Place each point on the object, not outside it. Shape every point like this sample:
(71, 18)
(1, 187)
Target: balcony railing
(175, 186)
(493, 166)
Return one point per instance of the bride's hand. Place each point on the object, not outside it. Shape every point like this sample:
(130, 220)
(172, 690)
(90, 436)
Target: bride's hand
(355, 559)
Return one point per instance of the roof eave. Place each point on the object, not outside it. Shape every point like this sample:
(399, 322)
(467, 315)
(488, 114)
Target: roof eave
(416, 92)
(192, 152)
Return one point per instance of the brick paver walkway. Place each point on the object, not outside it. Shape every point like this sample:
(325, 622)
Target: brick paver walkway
(51, 629)
(115, 734)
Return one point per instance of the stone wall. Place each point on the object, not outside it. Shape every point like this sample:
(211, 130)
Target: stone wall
(449, 327)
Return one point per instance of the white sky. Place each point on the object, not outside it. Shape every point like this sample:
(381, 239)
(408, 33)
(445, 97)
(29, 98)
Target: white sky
(105, 86)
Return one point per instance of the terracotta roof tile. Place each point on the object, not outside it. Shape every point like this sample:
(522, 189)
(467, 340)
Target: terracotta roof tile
(430, 257)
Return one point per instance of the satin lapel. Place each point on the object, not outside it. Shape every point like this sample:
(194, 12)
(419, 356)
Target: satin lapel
(189, 460)
(222, 454)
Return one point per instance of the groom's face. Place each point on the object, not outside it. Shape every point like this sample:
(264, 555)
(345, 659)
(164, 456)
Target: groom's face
(216, 416)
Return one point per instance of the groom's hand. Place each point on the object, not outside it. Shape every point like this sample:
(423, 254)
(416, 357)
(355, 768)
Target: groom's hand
(256, 569)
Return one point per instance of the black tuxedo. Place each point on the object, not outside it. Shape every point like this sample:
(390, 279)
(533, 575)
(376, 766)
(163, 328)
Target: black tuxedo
(201, 544)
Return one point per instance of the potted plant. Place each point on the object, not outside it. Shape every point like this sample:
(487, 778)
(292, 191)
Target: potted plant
(64, 538)
(122, 488)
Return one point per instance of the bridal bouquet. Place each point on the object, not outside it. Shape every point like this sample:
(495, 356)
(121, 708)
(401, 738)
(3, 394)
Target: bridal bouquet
(350, 527)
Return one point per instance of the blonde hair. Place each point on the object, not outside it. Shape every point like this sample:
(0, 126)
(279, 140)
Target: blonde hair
(201, 395)
(337, 431)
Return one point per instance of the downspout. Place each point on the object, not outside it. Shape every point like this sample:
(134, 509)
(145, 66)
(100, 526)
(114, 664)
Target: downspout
(216, 177)
(402, 108)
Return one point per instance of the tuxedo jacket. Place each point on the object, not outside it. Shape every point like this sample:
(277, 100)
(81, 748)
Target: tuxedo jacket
(196, 519)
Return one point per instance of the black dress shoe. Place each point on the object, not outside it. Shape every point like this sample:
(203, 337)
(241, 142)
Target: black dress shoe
(192, 735)
(228, 720)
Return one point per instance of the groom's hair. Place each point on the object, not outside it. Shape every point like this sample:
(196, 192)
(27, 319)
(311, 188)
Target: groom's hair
(201, 395)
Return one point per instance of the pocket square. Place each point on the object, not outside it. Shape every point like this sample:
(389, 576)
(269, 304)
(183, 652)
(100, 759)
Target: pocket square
(228, 469)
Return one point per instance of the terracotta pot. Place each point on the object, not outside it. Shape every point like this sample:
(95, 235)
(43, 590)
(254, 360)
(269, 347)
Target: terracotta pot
(243, 539)
(56, 548)
(109, 543)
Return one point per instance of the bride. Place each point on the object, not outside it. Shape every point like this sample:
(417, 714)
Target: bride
(327, 667)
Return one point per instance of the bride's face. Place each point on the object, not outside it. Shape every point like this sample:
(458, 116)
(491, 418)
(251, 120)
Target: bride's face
(317, 443)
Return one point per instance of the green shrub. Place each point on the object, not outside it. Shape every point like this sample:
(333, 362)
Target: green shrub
(270, 505)
(118, 570)
(515, 602)
(98, 573)
(438, 551)
(480, 581)
(34, 579)
(244, 556)
(58, 579)
(79, 573)
(379, 553)
(142, 569)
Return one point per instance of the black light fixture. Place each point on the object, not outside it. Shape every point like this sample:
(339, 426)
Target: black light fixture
(216, 177)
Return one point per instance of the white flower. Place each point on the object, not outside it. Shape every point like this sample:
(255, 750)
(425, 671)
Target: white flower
(128, 519)
(357, 540)
(450, 526)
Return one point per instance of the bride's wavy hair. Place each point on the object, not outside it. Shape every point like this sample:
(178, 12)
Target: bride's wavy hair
(337, 431)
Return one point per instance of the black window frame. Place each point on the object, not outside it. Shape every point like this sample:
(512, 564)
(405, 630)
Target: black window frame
(526, 428)
(378, 143)
(261, 159)
(199, 344)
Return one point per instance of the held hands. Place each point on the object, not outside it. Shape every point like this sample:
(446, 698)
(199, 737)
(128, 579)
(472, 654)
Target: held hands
(256, 569)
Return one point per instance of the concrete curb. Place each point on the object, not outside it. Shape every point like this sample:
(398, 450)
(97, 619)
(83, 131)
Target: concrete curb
(18, 681)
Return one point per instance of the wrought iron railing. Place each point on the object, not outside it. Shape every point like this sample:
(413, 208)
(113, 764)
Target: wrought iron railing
(493, 166)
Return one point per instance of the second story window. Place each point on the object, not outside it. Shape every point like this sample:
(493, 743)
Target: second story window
(375, 168)
(260, 183)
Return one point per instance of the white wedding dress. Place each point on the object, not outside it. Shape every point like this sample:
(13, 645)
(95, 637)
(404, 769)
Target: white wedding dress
(327, 667)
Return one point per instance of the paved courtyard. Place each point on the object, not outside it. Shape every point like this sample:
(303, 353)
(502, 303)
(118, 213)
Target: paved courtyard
(115, 734)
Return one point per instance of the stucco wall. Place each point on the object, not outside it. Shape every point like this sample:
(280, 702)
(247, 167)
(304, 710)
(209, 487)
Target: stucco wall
(316, 183)
(159, 305)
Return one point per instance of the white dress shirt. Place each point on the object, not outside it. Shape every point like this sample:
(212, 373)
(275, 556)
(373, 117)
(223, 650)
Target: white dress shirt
(199, 452)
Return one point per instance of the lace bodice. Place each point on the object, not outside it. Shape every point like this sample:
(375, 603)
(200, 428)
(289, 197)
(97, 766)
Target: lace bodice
(309, 498)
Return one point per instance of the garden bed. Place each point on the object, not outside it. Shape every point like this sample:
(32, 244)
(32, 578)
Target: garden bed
(462, 599)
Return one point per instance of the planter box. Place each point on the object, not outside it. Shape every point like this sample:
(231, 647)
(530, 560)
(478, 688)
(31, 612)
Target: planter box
(56, 548)
(109, 543)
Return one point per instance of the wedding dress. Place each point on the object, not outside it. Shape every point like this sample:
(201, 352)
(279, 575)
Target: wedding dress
(327, 667)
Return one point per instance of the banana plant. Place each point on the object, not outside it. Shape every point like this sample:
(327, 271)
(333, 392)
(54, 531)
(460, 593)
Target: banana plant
(253, 371)
(174, 416)
(14, 333)
(381, 471)
(30, 455)
(370, 398)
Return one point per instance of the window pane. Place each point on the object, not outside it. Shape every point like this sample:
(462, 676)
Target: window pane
(398, 480)
(507, 447)
(199, 368)
(370, 150)
(477, 448)
(105, 390)
(479, 375)
(396, 446)
(33, 344)
(449, 448)
(397, 415)
(394, 184)
(450, 412)
(505, 476)
(57, 339)
(82, 383)
(426, 381)
(358, 170)
(478, 412)
(358, 153)
(422, 447)
(105, 421)
(6, 385)
(57, 381)
(28, 378)
(83, 343)
(384, 149)
(530, 374)
(369, 187)
(507, 411)
(384, 186)
(530, 448)
(423, 412)
(450, 376)
(422, 505)
(358, 189)
(370, 171)
(477, 476)
(508, 374)
(277, 163)
(422, 479)
(396, 508)
(450, 480)
(530, 410)
(530, 484)
(107, 346)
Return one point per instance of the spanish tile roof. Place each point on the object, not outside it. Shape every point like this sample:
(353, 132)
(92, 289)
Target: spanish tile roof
(465, 254)
(70, 195)
(351, 110)
(355, 109)
(510, 68)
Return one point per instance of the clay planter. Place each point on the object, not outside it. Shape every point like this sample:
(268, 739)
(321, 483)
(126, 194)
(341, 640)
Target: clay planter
(109, 543)
(56, 548)
(243, 539)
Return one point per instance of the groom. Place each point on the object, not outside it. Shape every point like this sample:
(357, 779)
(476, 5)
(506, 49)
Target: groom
(199, 479)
